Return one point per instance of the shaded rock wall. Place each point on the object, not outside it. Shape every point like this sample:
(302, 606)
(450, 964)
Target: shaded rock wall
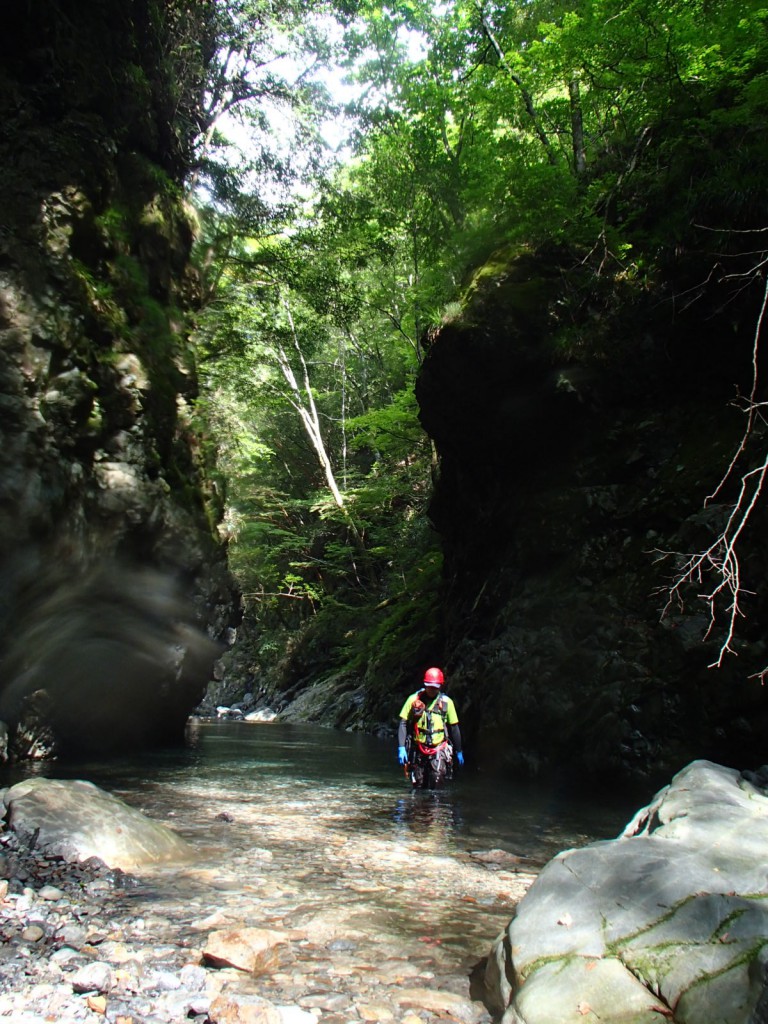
(115, 589)
(576, 442)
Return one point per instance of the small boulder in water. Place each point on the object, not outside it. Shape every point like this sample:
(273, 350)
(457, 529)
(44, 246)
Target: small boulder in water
(227, 712)
(262, 715)
(497, 859)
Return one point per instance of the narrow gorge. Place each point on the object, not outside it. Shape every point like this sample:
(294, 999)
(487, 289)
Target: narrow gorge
(340, 340)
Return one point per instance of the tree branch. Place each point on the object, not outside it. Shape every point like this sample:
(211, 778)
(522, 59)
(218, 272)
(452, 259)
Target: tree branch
(720, 562)
(527, 97)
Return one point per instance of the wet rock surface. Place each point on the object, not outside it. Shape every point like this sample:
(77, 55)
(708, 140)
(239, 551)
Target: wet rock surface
(78, 821)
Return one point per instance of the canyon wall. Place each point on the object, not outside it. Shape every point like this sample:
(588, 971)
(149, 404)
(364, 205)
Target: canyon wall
(116, 597)
(581, 424)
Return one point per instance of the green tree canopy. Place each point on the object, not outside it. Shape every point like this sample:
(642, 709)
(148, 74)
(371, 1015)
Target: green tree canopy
(475, 125)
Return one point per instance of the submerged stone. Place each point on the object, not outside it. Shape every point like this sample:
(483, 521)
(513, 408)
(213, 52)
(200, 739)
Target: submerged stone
(256, 950)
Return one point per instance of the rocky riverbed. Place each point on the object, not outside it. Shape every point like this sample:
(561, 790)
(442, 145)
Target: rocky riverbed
(307, 926)
(63, 927)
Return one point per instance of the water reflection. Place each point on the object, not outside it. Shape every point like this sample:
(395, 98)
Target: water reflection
(301, 828)
(424, 812)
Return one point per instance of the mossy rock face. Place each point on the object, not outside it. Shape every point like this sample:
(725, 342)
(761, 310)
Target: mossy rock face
(515, 284)
(100, 463)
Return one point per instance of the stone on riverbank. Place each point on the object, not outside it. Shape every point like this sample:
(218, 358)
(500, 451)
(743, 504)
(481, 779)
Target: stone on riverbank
(243, 1008)
(76, 820)
(667, 922)
(256, 950)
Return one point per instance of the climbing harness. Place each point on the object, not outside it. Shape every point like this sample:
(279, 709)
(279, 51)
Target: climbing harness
(429, 763)
(420, 710)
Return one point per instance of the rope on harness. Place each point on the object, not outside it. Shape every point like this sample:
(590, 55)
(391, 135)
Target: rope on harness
(429, 751)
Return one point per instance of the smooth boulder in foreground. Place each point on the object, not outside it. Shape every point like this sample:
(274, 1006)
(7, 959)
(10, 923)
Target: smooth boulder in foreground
(76, 820)
(668, 922)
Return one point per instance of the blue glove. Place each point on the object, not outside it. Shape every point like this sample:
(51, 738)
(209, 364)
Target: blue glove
(402, 757)
(460, 758)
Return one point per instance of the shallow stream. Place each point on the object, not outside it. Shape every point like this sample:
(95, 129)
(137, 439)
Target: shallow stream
(316, 832)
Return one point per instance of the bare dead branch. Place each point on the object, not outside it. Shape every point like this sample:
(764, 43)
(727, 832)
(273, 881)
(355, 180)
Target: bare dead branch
(718, 567)
(752, 404)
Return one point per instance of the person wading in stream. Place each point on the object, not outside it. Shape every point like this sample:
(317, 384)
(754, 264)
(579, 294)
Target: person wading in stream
(428, 735)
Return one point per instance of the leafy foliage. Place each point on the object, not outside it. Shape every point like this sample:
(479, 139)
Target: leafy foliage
(604, 129)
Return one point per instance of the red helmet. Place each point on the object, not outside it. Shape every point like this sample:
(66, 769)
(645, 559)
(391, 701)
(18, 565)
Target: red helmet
(433, 677)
